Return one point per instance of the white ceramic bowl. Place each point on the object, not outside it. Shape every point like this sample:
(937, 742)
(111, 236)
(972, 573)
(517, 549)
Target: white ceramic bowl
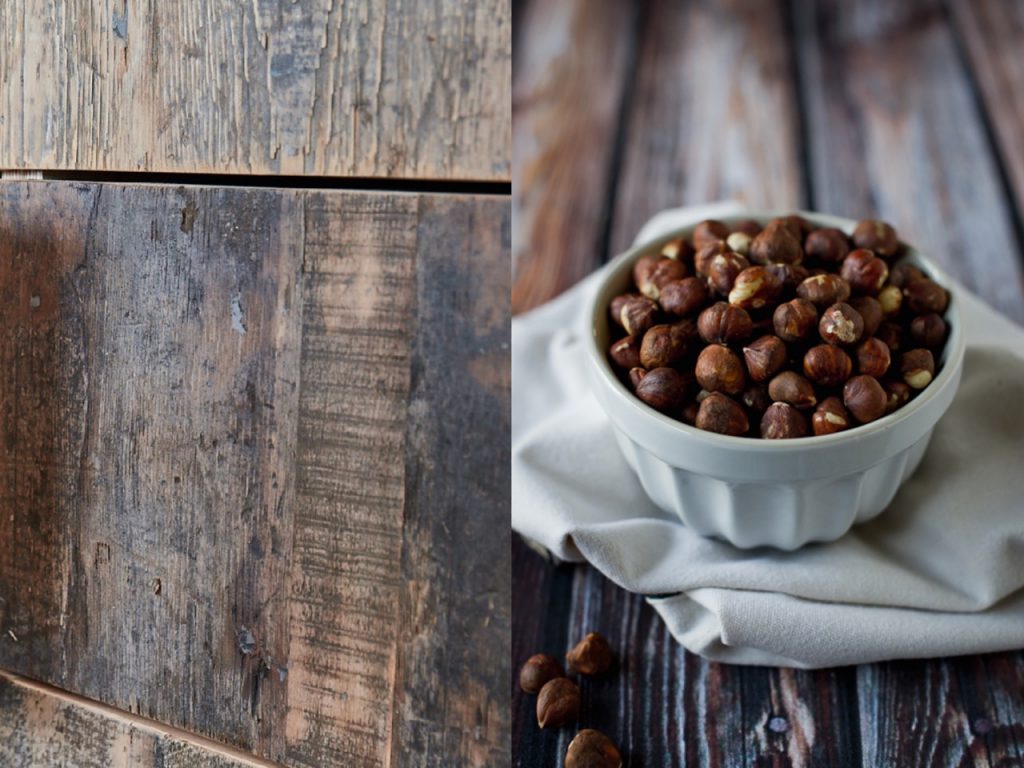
(779, 493)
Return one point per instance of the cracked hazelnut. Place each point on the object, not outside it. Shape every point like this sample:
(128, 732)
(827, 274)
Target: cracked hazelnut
(795, 320)
(636, 375)
(873, 357)
(638, 315)
(706, 254)
(903, 274)
(891, 334)
(678, 250)
(662, 273)
(824, 290)
(790, 387)
(830, 416)
(666, 345)
(558, 703)
(917, 367)
(870, 311)
(890, 299)
(625, 353)
(719, 369)
(827, 365)
(924, 295)
(827, 245)
(684, 297)
(592, 749)
(720, 413)
(591, 656)
(841, 324)
(876, 236)
(754, 287)
(765, 357)
(928, 331)
(776, 245)
(864, 397)
(739, 242)
(722, 271)
(723, 323)
(756, 398)
(663, 389)
(898, 394)
(865, 272)
(782, 421)
(708, 231)
(538, 670)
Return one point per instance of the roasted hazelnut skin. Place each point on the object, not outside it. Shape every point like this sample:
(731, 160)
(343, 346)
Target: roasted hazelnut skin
(636, 375)
(928, 331)
(891, 334)
(708, 231)
(722, 323)
(782, 421)
(790, 275)
(591, 656)
(739, 242)
(677, 249)
(747, 227)
(720, 413)
(625, 353)
(754, 287)
(795, 320)
(719, 369)
(706, 254)
(663, 273)
(756, 398)
(776, 245)
(689, 413)
(890, 299)
(792, 388)
(684, 297)
(592, 749)
(615, 306)
(723, 270)
(924, 296)
(830, 416)
(828, 245)
(666, 345)
(902, 274)
(865, 272)
(870, 311)
(898, 394)
(558, 703)
(841, 324)
(538, 670)
(798, 225)
(873, 357)
(638, 315)
(643, 267)
(827, 365)
(765, 357)
(824, 290)
(864, 397)
(664, 389)
(917, 367)
(876, 236)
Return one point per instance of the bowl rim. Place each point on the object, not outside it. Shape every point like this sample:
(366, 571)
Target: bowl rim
(951, 360)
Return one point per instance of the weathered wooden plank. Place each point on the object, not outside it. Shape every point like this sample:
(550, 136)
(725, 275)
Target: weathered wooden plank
(402, 89)
(573, 63)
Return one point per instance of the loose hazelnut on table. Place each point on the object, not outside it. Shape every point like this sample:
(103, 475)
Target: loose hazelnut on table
(663, 389)
(708, 231)
(830, 416)
(795, 320)
(827, 365)
(790, 387)
(776, 245)
(719, 413)
(898, 394)
(538, 670)
(864, 397)
(591, 656)
(890, 299)
(706, 254)
(719, 369)
(638, 315)
(765, 357)
(665, 345)
(928, 330)
(782, 421)
(841, 324)
(865, 272)
(876, 236)
(723, 323)
(558, 703)
(684, 297)
(662, 273)
(870, 310)
(873, 357)
(827, 245)
(917, 367)
(739, 242)
(824, 290)
(754, 287)
(592, 749)
(625, 353)
(924, 295)
(723, 270)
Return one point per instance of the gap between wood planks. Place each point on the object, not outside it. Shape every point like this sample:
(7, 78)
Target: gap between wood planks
(138, 722)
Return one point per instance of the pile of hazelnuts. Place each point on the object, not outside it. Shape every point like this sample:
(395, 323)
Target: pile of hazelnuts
(780, 331)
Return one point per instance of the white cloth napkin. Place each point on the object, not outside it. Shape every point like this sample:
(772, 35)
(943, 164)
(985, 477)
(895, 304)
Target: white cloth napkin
(941, 572)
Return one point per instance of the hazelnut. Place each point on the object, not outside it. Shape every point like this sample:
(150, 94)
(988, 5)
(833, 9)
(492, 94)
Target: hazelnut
(798, 225)
(790, 275)
(924, 295)
(719, 369)
(754, 287)
(873, 357)
(615, 306)
(720, 413)
(824, 290)
(677, 249)
(739, 242)
(890, 298)
(747, 227)
(792, 388)
(708, 231)
(538, 670)
(723, 269)
(689, 413)
(776, 244)
(870, 311)
(684, 297)
(864, 397)
(902, 274)
(638, 315)
(591, 656)
(663, 389)
(828, 245)
(876, 236)
(917, 367)
(830, 416)
(765, 357)
(558, 703)
(795, 320)
(705, 255)
(664, 272)
(782, 421)
(592, 749)
(891, 334)
(898, 394)
(665, 345)
(756, 398)
(928, 331)
(865, 272)
(636, 375)
(841, 324)
(723, 323)
(827, 365)
(625, 353)
(643, 267)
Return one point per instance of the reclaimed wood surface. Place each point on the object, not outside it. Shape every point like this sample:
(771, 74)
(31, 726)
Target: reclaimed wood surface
(863, 108)
(239, 496)
(402, 88)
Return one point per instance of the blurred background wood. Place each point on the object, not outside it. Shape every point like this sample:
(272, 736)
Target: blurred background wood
(913, 112)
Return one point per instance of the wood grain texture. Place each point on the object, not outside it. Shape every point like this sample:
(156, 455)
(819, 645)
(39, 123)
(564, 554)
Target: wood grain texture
(403, 88)
(223, 459)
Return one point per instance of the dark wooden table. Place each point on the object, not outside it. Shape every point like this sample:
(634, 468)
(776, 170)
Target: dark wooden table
(913, 112)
